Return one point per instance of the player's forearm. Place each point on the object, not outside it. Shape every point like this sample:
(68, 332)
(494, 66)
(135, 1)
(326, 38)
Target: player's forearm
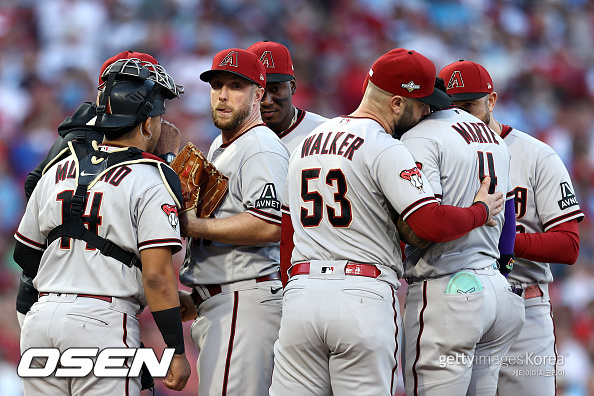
(158, 279)
(240, 229)
(561, 244)
(444, 223)
(286, 247)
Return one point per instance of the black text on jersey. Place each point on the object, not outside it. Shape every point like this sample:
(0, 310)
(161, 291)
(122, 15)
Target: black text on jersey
(331, 144)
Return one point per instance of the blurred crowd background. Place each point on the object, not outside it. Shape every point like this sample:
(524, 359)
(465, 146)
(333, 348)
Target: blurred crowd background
(540, 54)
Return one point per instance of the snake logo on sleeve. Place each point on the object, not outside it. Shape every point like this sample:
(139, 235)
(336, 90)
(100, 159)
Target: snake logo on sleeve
(268, 198)
(413, 175)
(568, 198)
(171, 212)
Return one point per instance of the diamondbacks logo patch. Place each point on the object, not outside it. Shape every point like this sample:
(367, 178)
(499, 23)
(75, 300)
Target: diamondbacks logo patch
(414, 177)
(171, 212)
(568, 198)
(455, 80)
(267, 60)
(230, 59)
(268, 198)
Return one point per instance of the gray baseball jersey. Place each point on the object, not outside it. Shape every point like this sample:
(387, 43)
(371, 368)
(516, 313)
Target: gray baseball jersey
(88, 299)
(239, 319)
(148, 219)
(345, 181)
(461, 316)
(544, 199)
(305, 123)
(256, 165)
(455, 150)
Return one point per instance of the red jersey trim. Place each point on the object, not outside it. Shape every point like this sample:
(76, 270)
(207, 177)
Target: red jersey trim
(300, 117)
(224, 145)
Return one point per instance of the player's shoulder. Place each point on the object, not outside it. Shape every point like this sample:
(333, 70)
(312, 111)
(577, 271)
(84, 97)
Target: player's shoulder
(528, 143)
(313, 117)
(261, 138)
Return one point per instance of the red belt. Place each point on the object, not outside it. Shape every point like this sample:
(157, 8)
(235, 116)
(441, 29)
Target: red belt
(357, 269)
(213, 290)
(102, 298)
(532, 292)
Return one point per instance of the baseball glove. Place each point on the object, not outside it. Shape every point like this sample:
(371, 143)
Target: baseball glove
(203, 186)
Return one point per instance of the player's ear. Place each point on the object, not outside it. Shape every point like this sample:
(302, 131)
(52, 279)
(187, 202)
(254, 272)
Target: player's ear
(397, 104)
(492, 98)
(259, 94)
(293, 87)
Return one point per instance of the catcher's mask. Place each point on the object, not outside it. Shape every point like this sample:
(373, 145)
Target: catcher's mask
(132, 93)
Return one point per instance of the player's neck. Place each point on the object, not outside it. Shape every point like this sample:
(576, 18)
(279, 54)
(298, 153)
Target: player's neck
(365, 112)
(254, 119)
(496, 126)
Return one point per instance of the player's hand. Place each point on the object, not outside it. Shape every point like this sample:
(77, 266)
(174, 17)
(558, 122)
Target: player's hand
(179, 373)
(187, 307)
(493, 201)
(170, 139)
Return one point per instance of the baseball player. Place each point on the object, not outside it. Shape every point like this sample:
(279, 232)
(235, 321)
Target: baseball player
(461, 315)
(232, 260)
(89, 220)
(75, 127)
(547, 215)
(278, 112)
(341, 323)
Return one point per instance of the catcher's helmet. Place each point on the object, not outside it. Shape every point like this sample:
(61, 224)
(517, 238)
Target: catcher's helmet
(130, 102)
(134, 90)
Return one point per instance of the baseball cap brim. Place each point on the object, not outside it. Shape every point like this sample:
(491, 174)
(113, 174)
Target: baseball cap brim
(278, 77)
(438, 99)
(207, 75)
(468, 96)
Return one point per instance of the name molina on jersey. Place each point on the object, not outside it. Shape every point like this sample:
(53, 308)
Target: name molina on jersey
(268, 198)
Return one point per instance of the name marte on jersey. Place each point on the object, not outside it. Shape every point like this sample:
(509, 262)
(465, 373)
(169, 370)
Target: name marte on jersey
(335, 143)
(475, 132)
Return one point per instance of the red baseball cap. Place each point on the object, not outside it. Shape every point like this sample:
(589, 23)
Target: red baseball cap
(125, 55)
(276, 59)
(240, 62)
(466, 80)
(410, 74)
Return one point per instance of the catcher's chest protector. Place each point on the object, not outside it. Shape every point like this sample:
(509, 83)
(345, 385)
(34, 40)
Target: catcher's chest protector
(91, 169)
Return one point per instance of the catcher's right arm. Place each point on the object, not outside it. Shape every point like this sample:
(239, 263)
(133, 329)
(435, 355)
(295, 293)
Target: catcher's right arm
(408, 235)
(203, 186)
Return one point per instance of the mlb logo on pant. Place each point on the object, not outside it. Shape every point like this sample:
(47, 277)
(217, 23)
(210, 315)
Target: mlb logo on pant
(327, 270)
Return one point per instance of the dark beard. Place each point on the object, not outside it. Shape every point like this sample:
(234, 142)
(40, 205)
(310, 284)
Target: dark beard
(406, 122)
(229, 125)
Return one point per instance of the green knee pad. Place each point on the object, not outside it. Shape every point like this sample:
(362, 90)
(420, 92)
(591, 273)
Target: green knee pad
(464, 282)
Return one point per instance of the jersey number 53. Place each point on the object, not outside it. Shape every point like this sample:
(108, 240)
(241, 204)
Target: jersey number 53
(336, 180)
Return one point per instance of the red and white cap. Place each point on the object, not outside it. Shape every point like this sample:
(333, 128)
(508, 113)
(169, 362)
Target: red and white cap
(408, 73)
(276, 59)
(125, 55)
(466, 80)
(240, 62)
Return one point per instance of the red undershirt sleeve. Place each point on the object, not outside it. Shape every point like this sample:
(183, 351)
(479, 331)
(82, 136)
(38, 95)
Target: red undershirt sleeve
(286, 247)
(560, 244)
(444, 223)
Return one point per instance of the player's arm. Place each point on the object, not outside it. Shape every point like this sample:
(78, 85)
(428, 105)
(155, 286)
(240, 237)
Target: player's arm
(444, 223)
(160, 288)
(560, 244)
(240, 229)
(286, 246)
(28, 259)
(507, 238)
